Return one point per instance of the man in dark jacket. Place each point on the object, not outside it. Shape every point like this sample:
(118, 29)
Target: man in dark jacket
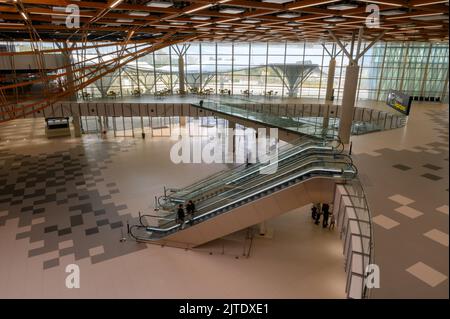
(190, 209)
(326, 214)
(180, 215)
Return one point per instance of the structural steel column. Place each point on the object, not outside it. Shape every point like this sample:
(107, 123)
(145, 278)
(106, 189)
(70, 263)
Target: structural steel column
(348, 102)
(181, 79)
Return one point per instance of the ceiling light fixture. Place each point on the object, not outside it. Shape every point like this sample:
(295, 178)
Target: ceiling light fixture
(159, 4)
(139, 13)
(392, 12)
(288, 15)
(277, 1)
(232, 10)
(342, 6)
(251, 21)
(335, 19)
(124, 20)
(200, 18)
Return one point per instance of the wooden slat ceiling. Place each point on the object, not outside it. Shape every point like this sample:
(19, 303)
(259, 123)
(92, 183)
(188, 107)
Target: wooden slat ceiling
(225, 20)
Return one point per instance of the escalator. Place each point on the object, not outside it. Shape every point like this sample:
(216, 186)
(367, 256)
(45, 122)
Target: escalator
(233, 200)
(215, 184)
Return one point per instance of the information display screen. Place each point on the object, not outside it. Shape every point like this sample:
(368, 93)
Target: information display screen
(399, 101)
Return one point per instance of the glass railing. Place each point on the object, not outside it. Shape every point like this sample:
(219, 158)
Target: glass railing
(292, 124)
(361, 208)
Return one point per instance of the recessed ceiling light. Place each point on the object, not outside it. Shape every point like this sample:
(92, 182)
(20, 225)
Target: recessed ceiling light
(200, 18)
(139, 13)
(391, 12)
(262, 28)
(124, 20)
(342, 6)
(162, 27)
(250, 21)
(178, 23)
(240, 30)
(223, 26)
(288, 15)
(159, 4)
(335, 19)
(232, 10)
(293, 24)
(277, 1)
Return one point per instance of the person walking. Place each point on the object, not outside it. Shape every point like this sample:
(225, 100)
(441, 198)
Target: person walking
(190, 210)
(326, 214)
(180, 215)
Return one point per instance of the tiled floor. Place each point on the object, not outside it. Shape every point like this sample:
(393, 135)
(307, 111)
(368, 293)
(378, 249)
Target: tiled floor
(67, 200)
(407, 186)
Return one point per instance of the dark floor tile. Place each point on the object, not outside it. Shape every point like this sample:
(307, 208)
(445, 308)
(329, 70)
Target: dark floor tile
(91, 231)
(99, 212)
(50, 229)
(51, 263)
(116, 225)
(102, 222)
(401, 167)
(38, 210)
(64, 231)
(433, 167)
(431, 177)
(76, 220)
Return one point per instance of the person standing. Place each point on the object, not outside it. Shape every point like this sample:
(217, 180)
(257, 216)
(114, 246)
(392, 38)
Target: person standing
(180, 215)
(314, 212)
(326, 214)
(190, 210)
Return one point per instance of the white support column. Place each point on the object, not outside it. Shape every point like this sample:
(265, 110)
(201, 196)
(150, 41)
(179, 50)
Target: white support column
(76, 125)
(348, 102)
(330, 85)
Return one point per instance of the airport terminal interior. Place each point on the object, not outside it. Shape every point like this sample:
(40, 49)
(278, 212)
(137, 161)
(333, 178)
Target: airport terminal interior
(292, 149)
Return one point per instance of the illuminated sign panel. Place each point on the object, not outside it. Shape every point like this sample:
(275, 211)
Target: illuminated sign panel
(399, 101)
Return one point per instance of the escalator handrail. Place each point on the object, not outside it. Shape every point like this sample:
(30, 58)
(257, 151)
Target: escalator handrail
(254, 170)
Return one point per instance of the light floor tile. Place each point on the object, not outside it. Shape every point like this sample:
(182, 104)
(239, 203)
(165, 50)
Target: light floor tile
(96, 251)
(385, 222)
(409, 212)
(65, 244)
(38, 220)
(437, 236)
(443, 209)
(402, 200)
(427, 274)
